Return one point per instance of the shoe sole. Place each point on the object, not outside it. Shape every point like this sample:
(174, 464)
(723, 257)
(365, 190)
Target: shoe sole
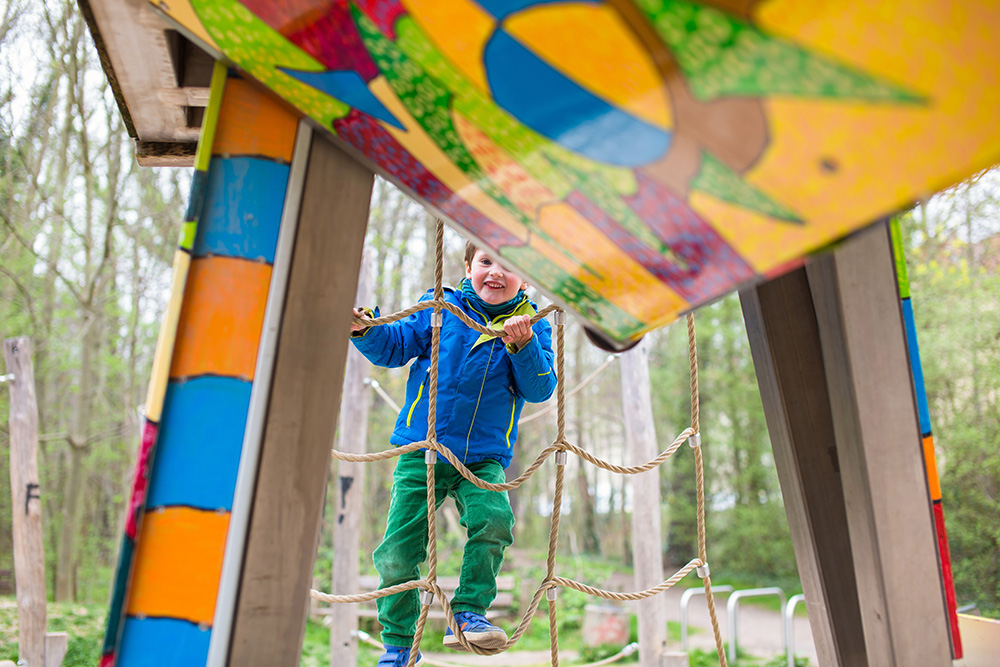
(487, 640)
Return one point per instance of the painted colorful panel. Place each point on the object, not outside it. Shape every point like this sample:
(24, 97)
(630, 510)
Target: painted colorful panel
(637, 158)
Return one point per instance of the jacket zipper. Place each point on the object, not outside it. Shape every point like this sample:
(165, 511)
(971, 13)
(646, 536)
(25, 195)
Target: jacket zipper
(513, 404)
(409, 415)
(493, 346)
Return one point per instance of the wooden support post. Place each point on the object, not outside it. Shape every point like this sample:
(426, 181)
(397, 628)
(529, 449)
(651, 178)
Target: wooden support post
(270, 615)
(829, 349)
(352, 436)
(647, 544)
(26, 497)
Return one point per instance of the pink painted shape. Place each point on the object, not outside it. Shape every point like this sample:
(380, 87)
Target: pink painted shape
(140, 482)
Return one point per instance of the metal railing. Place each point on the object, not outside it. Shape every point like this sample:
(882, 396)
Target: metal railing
(686, 599)
(790, 627)
(732, 609)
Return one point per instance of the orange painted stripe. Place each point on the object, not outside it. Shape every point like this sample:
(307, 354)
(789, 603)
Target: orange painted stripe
(254, 123)
(221, 318)
(932, 474)
(178, 563)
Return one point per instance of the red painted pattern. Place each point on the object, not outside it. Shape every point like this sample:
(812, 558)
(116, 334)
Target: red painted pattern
(949, 580)
(140, 481)
(711, 266)
(324, 30)
(370, 138)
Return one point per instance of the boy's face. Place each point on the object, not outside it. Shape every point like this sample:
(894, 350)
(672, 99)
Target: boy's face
(492, 282)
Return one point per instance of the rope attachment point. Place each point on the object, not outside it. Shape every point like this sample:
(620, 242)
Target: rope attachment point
(561, 457)
(427, 598)
(704, 571)
(552, 594)
(437, 318)
(430, 457)
(559, 318)
(694, 442)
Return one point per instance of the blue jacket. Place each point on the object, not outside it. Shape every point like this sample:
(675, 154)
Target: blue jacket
(482, 385)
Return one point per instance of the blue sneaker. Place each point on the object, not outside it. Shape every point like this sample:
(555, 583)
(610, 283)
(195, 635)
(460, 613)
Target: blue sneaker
(398, 656)
(477, 630)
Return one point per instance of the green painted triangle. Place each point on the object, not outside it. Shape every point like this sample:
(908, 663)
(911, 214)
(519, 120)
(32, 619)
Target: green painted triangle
(720, 181)
(722, 55)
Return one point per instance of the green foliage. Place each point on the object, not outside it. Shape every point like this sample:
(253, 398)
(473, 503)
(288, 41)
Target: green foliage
(83, 622)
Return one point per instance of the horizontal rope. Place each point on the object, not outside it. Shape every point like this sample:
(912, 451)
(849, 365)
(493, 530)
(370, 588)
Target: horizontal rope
(451, 308)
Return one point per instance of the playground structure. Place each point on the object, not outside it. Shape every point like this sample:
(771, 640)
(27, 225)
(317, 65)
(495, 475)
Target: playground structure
(215, 563)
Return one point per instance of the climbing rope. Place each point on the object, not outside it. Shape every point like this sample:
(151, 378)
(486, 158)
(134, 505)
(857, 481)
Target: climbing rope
(560, 448)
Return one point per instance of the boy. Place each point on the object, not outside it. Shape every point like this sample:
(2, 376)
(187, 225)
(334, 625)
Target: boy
(483, 383)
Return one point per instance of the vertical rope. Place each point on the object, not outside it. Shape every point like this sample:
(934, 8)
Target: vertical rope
(432, 434)
(559, 318)
(693, 362)
(699, 464)
(551, 561)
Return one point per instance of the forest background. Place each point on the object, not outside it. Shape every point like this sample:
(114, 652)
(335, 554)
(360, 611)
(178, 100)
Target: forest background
(86, 238)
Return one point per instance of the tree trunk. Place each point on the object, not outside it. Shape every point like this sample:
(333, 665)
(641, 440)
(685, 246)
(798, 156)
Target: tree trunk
(350, 488)
(640, 434)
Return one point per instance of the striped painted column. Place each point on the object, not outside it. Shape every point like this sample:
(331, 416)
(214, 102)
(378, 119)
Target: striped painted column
(207, 360)
(930, 463)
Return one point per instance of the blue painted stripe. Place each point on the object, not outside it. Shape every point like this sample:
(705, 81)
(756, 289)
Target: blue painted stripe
(557, 107)
(200, 441)
(162, 642)
(197, 196)
(918, 371)
(242, 210)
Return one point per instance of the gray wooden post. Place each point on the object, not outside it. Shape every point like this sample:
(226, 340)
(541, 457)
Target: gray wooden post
(829, 348)
(647, 543)
(352, 436)
(29, 554)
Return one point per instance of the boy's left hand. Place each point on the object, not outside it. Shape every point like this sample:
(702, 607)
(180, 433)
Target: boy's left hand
(517, 331)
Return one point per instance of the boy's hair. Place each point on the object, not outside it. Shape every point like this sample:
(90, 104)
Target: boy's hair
(470, 252)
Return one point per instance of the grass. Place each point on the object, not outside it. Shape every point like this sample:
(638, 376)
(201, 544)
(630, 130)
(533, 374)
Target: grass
(83, 622)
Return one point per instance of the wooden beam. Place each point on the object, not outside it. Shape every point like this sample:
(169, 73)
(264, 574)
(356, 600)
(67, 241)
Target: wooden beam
(165, 154)
(26, 499)
(302, 416)
(830, 354)
(784, 340)
(878, 446)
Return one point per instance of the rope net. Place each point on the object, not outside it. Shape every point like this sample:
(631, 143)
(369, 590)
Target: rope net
(560, 448)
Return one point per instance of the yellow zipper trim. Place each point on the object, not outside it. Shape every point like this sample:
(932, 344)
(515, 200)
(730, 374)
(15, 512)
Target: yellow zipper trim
(493, 346)
(409, 416)
(513, 404)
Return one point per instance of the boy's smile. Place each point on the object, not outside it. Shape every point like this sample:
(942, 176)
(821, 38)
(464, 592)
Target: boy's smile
(491, 281)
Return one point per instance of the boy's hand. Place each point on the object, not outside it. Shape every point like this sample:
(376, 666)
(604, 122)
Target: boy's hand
(517, 331)
(357, 327)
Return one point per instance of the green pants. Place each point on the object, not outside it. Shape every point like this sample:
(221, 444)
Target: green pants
(488, 521)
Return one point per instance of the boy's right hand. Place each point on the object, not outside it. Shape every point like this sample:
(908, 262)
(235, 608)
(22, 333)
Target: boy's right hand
(357, 327)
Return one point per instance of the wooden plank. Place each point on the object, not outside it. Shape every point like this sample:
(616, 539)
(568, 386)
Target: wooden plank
(784, 340)
(647, 543)
(878, 447)
(56, 645)
(294, 461)
(26, 499)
